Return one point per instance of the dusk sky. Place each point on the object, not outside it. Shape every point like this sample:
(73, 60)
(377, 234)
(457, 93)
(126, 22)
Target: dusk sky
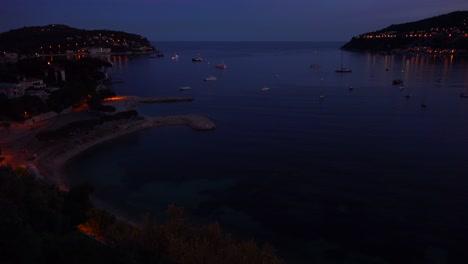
(226, 20)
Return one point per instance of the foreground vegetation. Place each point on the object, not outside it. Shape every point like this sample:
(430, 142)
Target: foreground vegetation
(41, 224)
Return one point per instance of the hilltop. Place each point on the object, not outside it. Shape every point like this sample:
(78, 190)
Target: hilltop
(62, 39)
(446, 33)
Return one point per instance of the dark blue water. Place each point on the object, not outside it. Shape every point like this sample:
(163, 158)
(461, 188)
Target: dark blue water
(362, 176)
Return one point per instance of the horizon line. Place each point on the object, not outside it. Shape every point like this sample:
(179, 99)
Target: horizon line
(249, 40)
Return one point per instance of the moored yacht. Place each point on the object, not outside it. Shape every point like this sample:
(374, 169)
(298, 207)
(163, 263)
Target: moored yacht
(221, 66)
(210, 78)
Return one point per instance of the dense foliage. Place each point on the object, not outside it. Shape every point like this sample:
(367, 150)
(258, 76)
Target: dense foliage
(36, 226)
(39, 224)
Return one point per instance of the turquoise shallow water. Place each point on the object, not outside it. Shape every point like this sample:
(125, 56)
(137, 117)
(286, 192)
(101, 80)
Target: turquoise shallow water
(362, 175)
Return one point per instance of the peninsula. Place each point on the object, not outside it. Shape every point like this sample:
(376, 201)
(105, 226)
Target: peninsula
(58, 39)
(444, 34)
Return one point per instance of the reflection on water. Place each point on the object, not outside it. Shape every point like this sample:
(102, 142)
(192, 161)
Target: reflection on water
(365, 174)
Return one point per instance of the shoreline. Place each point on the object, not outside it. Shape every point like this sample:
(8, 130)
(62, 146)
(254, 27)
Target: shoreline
(46, 160)
(51, 161)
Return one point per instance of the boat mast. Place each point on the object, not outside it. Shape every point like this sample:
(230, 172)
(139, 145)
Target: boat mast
(341, 65)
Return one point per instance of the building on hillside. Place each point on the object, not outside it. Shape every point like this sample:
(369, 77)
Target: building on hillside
(59, 73)
(11, 55)
(98, 51)
(33, 82)
(11, 90)
(43, 95)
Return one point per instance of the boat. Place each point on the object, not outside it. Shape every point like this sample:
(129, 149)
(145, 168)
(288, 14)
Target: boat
(464, 95)
(210, 78)
(265, 88)
(221, 65)
(197, 59)
(157, 55)
(175, 57)
(397, 81)
(185, 88)
(342, 69)
(315, 65)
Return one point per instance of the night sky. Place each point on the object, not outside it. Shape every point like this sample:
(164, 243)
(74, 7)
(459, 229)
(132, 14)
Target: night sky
(226, 20)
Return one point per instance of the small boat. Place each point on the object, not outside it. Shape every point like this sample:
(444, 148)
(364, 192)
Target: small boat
(397, 81)
(210, 78)
(221, 65)
(342, 69)
(197, 59)
(175, 57)
(322, 97)
(265, 88)
(315, 65)
(185, 88)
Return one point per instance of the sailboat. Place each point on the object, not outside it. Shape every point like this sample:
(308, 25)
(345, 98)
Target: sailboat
(341, 69)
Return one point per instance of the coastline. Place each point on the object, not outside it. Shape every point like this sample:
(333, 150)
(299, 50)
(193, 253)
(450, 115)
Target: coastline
(46, 160)
(52, 160)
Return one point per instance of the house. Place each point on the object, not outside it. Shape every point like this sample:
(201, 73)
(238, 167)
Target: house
(95, 51)
(12, 90)
(60, 71)
(11, 55)
(33, 82)
(41, 94)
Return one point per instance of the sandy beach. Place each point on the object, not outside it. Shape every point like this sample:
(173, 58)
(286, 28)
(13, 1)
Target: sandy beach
(20, 147)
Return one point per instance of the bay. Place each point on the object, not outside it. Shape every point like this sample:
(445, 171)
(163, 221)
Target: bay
(364, 175)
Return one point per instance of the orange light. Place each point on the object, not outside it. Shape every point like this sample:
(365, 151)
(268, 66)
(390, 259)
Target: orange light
(117, 98)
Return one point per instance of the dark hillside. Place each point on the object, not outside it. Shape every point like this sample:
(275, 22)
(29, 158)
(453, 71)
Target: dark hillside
(58, 39)
(441, 34)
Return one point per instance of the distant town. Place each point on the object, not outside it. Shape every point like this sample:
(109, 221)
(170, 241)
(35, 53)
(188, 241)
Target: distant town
(65, 40)
(445, 34)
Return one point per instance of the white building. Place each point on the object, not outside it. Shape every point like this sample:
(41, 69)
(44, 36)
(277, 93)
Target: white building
(33, 82)
(96, 51)
(11, 55)
(12, 90)
(41, 94)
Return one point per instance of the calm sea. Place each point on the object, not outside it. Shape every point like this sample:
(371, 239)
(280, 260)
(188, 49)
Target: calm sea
(364, 175)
